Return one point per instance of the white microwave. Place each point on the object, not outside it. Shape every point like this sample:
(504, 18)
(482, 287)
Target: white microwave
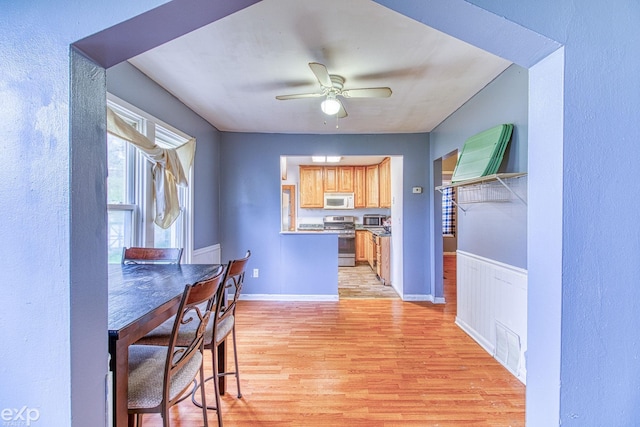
(338, 200)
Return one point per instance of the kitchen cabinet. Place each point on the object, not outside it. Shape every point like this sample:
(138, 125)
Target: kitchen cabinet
(330, 179)
(338, 179)
(370, 250)
(378, 255)
(345, 179)
(372, 187)
(311, 187)
(385, 183)
(383, 259)
(361, 245)
(360, 192)
(371, 184)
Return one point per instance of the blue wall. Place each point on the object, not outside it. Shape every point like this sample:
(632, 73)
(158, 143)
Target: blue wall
(54, 196)
(250, 200)
(497, 231)
(129, 84)
(600, 342)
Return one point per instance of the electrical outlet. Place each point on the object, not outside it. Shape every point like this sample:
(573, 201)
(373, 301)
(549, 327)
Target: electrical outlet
(256, 272)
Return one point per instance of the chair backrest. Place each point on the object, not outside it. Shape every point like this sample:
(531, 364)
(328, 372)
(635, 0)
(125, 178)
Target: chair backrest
(135, 255)
(193, 318)
(233, 281)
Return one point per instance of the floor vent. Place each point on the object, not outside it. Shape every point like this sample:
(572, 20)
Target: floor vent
(507, 348)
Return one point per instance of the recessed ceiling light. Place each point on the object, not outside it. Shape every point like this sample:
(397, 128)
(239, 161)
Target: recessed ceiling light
(326, 159)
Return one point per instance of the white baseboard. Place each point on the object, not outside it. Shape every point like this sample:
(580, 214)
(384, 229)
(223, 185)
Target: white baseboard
(417, 297)
(207, 255)
(288, 297)
(484, 343)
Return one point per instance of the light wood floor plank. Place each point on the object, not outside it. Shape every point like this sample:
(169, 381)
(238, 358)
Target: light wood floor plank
(361, 362)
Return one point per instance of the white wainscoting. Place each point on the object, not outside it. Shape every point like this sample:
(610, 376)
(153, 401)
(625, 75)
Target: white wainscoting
(208, 255)
(492, 308)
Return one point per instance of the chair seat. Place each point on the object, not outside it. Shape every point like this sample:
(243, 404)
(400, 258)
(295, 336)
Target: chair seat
(225, 327)
(161, 334)
(146, 375)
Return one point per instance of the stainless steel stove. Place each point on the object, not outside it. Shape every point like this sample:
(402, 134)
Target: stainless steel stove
(345, 226)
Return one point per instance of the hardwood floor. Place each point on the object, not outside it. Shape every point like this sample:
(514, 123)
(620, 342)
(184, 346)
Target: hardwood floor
(361, 362)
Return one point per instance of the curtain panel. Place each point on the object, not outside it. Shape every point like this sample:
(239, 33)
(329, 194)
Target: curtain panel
(170, 167)
(448, 212)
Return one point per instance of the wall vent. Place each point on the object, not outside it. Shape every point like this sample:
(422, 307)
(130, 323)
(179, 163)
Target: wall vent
(507, 349)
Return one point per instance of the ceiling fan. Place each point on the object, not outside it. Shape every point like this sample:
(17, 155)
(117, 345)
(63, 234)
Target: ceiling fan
(332, 86)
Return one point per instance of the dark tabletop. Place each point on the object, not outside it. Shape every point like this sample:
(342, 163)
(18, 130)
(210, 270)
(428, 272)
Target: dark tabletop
(137, 289)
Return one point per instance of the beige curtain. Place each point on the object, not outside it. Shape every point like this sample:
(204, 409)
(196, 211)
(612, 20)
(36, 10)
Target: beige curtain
(170, 167)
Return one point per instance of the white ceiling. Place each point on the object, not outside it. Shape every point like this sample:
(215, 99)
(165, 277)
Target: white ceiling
(230, 71)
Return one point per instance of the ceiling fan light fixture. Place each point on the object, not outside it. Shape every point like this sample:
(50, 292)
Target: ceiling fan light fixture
(330, 106)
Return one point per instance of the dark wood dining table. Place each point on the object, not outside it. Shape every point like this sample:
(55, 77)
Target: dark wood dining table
(141, 297)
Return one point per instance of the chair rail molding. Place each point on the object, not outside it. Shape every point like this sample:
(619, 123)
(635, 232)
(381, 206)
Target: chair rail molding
(206, 255)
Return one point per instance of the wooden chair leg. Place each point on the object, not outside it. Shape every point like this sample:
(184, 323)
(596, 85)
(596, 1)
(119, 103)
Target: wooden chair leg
(220, 365)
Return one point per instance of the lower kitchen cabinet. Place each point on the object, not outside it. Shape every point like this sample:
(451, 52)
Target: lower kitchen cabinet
(383, 259)
(361, 245)
(370, 250)
(376, 251)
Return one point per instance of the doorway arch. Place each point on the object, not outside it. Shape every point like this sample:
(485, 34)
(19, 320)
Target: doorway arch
(543, 58)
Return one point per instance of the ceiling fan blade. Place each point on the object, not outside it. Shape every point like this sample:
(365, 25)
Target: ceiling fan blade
(370, 92)
(299, 96)
(342, 113)
(321, 74)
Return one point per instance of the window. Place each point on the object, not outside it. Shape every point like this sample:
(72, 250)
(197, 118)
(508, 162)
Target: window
(130, 204)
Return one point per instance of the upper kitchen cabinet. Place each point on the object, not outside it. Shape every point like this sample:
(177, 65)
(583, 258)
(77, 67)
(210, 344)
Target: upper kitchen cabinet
(360, 187)
(370, 184)
(338, 179)
(385, 183)
(331, 179)
(345, 179)
(372, 187)
(311, 187)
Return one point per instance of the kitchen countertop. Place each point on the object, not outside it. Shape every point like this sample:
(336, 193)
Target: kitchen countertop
(380, 232)
(310, 229)
(299, 231)
(318, 228)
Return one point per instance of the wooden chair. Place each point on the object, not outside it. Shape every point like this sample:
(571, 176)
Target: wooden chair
(221, 326)
(135, 255)
(162, 376)
(224, 323)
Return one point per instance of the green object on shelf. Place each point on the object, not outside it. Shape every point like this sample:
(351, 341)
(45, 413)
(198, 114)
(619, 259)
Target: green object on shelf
(482, 153)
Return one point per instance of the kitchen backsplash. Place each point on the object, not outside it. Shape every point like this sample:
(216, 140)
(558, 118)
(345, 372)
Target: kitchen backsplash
(314, 216)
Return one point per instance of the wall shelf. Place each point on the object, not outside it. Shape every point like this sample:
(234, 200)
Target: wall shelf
(490, 188)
